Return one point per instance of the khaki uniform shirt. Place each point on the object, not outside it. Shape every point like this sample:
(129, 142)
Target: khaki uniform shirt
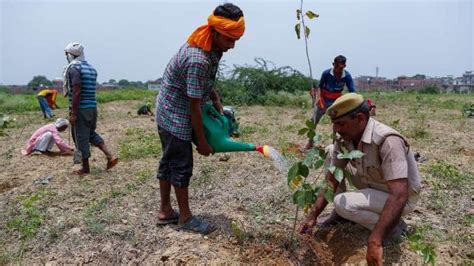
(387, 157)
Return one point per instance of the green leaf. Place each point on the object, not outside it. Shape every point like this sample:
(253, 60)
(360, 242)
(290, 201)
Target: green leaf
(344, 150)
(348, 176)
(318, 164)
(322, 153)
(310, 124)
(342, 156)
(356, 154)
(299, 197)
(310, 14)
(311, 134)
(298, 30)
(298, 14)
(292, 173)
(309, 159)
(310, 197)
(307, 186)
(303, 169)
(331, 169)
(339, 174)
(307, 31)
(317, 138)
(303, 131)
(318, 190)
(329, 195)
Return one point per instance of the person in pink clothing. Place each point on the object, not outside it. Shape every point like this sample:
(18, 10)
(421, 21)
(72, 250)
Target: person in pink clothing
(44, 138)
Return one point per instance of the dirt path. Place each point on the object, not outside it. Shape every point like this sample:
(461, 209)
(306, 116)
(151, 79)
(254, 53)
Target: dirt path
(109, 216)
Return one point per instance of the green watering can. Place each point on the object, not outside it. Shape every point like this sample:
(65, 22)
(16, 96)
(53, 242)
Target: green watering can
(220, 128)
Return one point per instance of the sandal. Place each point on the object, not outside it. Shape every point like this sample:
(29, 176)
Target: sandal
(173, 219)
(111, 163)
(80, 172)
(197, 225)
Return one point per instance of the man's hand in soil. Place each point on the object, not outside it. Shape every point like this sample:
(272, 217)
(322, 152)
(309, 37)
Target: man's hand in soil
(308, 223)
(204, 149)
(374, 253)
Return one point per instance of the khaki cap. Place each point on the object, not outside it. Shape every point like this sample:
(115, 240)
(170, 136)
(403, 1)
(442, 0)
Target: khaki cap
(345, 104)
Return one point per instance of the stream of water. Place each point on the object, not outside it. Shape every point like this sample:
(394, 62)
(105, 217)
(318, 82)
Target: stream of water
(278, 160)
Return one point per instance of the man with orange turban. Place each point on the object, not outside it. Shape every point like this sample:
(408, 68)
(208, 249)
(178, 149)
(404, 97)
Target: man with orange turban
(188, 83)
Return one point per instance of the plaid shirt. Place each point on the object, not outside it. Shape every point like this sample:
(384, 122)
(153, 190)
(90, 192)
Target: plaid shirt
(191, 73)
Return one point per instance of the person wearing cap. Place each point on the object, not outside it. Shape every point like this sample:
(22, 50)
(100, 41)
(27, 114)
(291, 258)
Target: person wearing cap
(386, 177)
(44, 138)
(188, 83)
(80, 79)
(330, 88)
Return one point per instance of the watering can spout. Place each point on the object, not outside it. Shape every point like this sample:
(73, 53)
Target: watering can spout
(265, 150)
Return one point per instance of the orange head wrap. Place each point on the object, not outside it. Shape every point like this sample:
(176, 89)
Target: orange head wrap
(202, 37)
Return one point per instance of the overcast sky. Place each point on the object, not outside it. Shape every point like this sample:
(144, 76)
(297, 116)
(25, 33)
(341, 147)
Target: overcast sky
(134, 40)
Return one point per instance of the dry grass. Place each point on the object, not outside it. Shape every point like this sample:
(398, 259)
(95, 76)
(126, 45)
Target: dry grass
(109, 216)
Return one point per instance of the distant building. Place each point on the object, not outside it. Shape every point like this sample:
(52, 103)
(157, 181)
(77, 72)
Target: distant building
(155, 85)
(107, 87)
(464, 84)
(370, 83)
(19, 89)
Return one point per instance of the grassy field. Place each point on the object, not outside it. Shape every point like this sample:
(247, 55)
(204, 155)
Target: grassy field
(19, 103)
(108, 217)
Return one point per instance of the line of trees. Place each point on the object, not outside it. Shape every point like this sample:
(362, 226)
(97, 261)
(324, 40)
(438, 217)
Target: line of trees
(42, 81)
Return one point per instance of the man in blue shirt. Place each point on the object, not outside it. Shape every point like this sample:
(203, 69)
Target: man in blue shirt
(80, 79)
(330, 88)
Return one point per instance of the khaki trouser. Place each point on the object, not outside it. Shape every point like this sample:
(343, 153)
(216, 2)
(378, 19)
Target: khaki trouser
(364, 206)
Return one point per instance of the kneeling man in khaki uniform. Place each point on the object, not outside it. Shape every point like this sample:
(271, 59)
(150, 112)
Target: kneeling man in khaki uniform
(386, 177)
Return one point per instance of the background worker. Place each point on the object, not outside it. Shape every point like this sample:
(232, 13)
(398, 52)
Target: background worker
(45, 137)
(47, 101)
(145, 110)
(80, 81)
(330, 88)
(386, 177)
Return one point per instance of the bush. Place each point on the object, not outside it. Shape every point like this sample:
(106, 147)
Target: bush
(430, 89)
(264, 85)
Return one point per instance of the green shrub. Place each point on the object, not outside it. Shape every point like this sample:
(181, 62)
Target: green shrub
(264, 85)
(430, 89)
